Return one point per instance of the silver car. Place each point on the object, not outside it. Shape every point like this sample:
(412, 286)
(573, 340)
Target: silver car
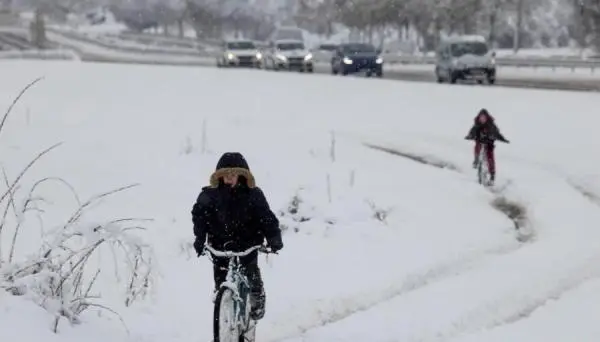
(463, 58)
(241, 53)
(289, 55)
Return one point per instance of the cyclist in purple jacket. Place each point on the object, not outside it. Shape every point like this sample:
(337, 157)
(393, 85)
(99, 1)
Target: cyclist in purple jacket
(485, 132)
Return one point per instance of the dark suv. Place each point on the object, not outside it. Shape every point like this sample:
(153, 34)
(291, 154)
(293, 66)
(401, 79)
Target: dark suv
(355, 57)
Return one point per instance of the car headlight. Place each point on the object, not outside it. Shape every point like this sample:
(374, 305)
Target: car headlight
(282, 57)
(308, 57)
(379, 60)
(258, 55)
(454, 62)
(230, 55)
(347, 60)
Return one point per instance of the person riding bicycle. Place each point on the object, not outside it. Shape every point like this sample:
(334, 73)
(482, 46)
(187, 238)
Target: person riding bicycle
(485, 131)
(233, 214)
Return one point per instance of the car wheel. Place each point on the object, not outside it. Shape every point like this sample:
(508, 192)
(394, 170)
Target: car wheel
(438, 77)
(310, 70)
(453, 76)
(491, 80)
(344, 71)
(334, 70)
(379, 74)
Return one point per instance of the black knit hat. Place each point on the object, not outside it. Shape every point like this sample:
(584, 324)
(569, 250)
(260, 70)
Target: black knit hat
(232, 162)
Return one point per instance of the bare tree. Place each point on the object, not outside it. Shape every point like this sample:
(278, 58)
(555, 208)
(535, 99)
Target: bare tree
(589, 14)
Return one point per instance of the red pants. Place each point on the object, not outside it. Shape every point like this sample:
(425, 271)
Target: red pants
(489, 149)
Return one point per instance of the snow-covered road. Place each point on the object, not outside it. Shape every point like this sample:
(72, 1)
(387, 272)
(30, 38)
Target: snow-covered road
(379, 247)
(97, 48)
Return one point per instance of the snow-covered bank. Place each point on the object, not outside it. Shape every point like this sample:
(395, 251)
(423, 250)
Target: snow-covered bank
(87, 48)
(437, 236)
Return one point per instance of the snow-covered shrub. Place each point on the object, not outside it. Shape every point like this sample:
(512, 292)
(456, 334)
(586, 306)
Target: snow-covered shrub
(59, 274)
(308, 212)
(380, 214)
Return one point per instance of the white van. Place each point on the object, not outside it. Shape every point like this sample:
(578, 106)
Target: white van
(465, 57)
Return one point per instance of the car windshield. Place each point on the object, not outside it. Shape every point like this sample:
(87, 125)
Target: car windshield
(241, 46)
(289, 34)
(474, 48)
(327, 47)
(356, 48)
(290, 46)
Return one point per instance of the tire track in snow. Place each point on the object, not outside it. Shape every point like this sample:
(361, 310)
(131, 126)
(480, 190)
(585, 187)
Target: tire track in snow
(419, 280)
(479, 318)
(515, 211)
(413, 281)
(576, 277)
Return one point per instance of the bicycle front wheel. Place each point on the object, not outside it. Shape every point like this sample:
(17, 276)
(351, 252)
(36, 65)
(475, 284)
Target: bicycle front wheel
(480, 174)
(225, 325)
(484, 173)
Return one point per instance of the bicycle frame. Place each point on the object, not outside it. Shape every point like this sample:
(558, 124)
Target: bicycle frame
(238, 283)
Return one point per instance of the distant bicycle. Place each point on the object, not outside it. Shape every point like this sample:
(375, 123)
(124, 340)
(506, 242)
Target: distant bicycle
(482, 165)
(231, 322)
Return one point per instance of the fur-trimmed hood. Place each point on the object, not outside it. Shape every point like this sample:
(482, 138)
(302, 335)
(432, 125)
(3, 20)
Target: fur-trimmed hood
(232, 163)
(483, 112)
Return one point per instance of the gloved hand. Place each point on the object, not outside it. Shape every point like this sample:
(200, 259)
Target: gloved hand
(275, 244)
(199, 247)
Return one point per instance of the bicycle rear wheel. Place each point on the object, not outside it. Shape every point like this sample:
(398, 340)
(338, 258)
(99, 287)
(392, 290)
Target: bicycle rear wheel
(225, 325)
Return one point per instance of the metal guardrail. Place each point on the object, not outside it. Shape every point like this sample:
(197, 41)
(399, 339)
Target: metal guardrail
(150, 50)
(519, 62)
(516, 61)
(58, 54)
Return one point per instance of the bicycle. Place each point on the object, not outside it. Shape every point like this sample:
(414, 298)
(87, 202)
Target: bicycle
(231, 320)
(481, 162)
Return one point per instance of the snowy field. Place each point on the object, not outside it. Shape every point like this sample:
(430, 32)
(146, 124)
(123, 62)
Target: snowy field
(439, 264)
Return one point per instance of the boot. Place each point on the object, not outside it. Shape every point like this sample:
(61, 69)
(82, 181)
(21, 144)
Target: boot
(492, 178)
(475, 163)
(257, 305)
(250, 334)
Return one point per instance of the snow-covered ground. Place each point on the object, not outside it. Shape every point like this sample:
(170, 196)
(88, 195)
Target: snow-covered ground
(82, 24)
(444, 264)
(117, 55)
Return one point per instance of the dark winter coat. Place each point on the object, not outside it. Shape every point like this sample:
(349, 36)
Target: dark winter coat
(234, 218)
(485, 133)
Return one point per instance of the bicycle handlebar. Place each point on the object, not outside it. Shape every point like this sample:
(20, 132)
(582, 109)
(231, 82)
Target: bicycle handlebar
(485, 140)
(230, 254)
